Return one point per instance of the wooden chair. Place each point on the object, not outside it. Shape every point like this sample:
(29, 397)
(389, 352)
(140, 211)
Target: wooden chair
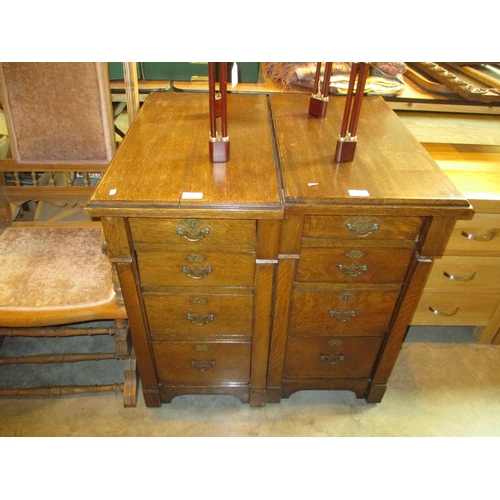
(54, 276)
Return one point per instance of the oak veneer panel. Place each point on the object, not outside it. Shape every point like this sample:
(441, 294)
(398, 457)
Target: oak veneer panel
(389, 163)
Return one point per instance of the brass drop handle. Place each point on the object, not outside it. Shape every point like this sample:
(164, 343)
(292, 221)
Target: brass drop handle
(193, 230)
(331, 359)
(197, 273)
(476, 237)
(342, 315)
(202, 365)
(454, 277)
(362, 226)
(200, 319)
(353, 269)
(452, 312)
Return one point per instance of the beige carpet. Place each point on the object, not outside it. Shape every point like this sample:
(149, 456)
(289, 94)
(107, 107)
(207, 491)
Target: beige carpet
(436, 389)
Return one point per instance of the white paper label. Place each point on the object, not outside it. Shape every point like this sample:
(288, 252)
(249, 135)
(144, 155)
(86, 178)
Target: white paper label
(358, 192)
(112, 192)
(186, 195)
(234, 75)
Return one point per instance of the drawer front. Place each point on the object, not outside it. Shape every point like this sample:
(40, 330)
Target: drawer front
(478, 236)
(474, 309)
(193, 234)
(198, 314)
(196, 269)
(335, 357)
(367, 227)
(465, 274)
(353, 265)
(202, 363)
(342, 312)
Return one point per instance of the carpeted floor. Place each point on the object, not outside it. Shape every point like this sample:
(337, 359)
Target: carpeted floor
(443, 384)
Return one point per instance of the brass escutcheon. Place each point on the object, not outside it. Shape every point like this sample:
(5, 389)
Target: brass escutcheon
(202, 347)
(196, 258)
(199, 300)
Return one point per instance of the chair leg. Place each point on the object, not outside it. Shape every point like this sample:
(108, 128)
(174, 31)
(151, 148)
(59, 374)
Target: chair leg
(122, 338)
(131, 381)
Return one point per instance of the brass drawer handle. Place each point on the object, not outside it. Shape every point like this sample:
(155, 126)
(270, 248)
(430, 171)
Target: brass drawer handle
(353, 269)
(331, 359)
(362, 226)
(197, 273)
(444, 313)
(193, 230)
(343, 315)
(200, 319)
(202, 365)
(487, 237)
(454, 277)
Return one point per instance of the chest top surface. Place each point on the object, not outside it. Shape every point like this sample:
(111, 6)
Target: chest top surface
(390, 167)
(163, 162)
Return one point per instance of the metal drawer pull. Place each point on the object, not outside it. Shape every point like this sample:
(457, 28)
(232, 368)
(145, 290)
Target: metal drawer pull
(202, 365)
(331, 359)
(197, 273)
(443, 313)
(487, 237)
(342, 315)
(362, 226)
(193, 230)
(454, 277)
(200, 319)
(353, 269)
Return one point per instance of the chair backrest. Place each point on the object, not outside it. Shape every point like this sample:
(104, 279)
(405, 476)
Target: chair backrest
(60, 123)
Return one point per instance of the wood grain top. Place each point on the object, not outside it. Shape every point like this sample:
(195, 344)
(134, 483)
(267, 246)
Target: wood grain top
(390, 166)
(164, 157)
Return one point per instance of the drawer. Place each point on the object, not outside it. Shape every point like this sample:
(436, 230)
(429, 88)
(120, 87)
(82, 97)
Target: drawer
(371, 227)
(193, 234)
(478, 236)
(356, 265)
(198, 314)
(196, 269)
(342, 312)
(465, 274)
(335, 357)
(460, 309)
(202, 363)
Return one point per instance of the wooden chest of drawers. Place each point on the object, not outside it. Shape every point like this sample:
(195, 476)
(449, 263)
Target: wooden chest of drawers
(196, 246)
(356, 245)
(279, 270)
(463, 287)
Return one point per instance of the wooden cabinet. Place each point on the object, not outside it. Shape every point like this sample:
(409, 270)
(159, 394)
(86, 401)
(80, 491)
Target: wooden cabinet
(196, 246)
(279, 270)
(463, 287)
(357, 243)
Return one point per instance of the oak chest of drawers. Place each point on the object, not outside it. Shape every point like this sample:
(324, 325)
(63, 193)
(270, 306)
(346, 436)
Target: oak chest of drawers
(357, 242)
(195, 245)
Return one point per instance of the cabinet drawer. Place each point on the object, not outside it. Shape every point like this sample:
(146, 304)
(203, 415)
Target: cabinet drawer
(202, 363)
(193, 234)
(462, 309)
(356, 265)
(199, 314)
(331, 357)
(371, 227)
(465, 274)
(342, 312)
(200, 269)
(478, 236)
